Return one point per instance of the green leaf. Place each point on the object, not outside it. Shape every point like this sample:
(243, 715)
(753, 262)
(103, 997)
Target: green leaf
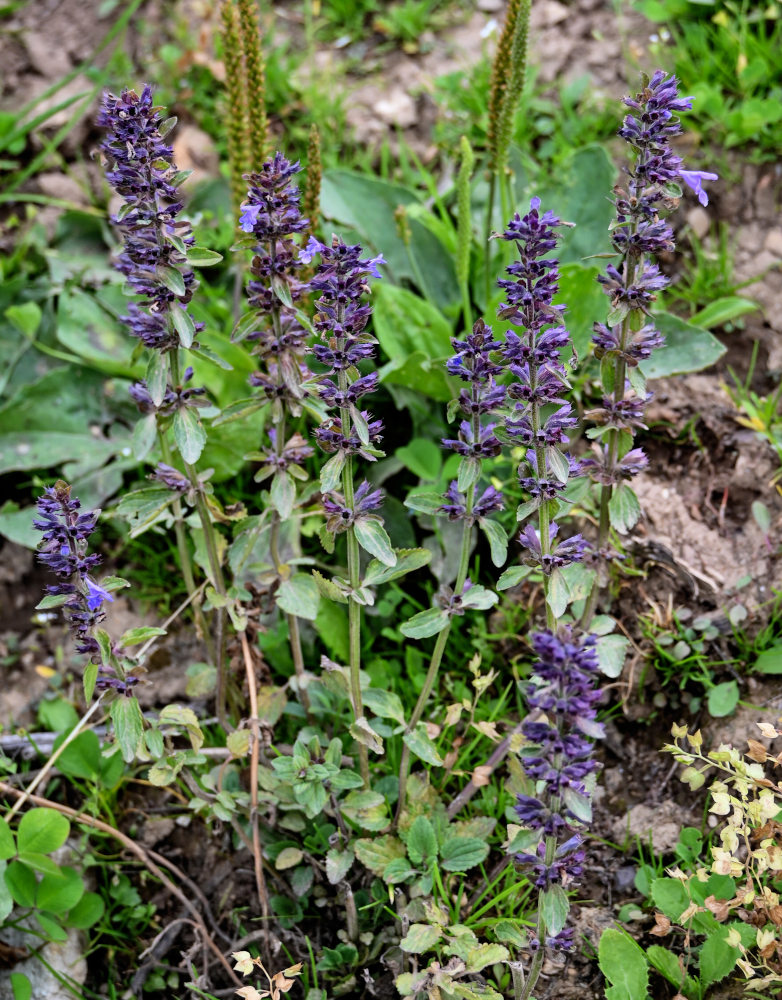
(92, 331)
(420, 938)
(42, 831)
(135, 636)
(554, 907)
(623, 964)
(722, 311)
(331, 472)
(141, 508)
(375, 854)
(52, 601)
(144, 434)
(666, 963)
(58, 893)
(26, 317)
(372, 537)
(422, 457)
(89, 677)
(21, 883)
(87, 912)
(722, 699)
(299, 596)
(7, 842)
(425, 623)
(611, 654)
(422, 746)
(468, 474)
(558, 593)
(128, 726)
(688, 348)
(338, 864)
(770, 661)
(40, 863)
(512, 577)
(6, 900)
(479, 597)
(189, 435)
(82, 757)
(459, 854)
(21, 986)
(283, 494)
(407, 560)
(363, 733)
(386, 704)
(365, 808)
(184, 325)
(201, 257)
(172, 279)
(421, 842)
(623, 508)
(424, 503)
(486, 954)
(586, 303)
(498, 539)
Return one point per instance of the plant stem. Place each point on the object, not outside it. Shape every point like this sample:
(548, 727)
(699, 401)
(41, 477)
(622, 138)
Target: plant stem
(437, 656)
(213, 558)
(184, 555)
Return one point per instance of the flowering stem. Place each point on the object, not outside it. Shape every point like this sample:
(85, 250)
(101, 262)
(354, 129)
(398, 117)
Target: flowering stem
(214, 563)
(437, 655)
(184, 554)
(354, 608)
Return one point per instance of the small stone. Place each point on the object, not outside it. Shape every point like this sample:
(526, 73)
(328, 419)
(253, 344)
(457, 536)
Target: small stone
(699, 221)
(397, 109)
(195, 150)
(46, 58)
(773, 242)
(548, 13)
(490, 6)
(58, 185)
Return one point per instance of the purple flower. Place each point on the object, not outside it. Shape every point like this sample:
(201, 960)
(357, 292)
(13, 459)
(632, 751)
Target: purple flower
(559, 554)
(456, 508)
(694, 179)
(340, 517)
(485, 445)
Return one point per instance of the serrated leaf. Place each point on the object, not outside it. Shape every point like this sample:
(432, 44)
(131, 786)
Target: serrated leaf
(375, 854)
(189, 435)
(238, 742)
(338, 864)
(623, 508)
(422, 746)
(717, 958)
(623, 964)
(365, 808)
(421, 842)
(459, 854)
(425, 623)
(420, 938)
(372, 537)
(328, 589)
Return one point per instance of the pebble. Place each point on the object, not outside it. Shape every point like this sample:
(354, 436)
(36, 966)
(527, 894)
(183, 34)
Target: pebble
(397, 109)
(773, 242)
(698, 220)
(490, 6)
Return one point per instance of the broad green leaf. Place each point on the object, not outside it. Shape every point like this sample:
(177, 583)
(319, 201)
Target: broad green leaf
(386, 704)
(722, 311)
(21, 986)
(372, 537)
(40, 863)
(142, 508)
(424, 503)
(623, 508)
(479, 598)
(82, 757)
(422, 746)
(407, 560)
(144, 434)
(92, 332)
(331, 473)
(459, 854)
(201, 257)
(58, 893)
(21, 451)
(770, 661)
(376, 853)
(611, 654)
(558, 595)
(189, 435)
(623, 964)
(421, 842)
(87, 912)
(363, 733)
(722, 699)
(135, 636)
(89, 677)
(288, 857)
(184, 326)
(666, 963)
(157, 376)
(172, 279)
(128, 726)
(26, 317)
(7, 843)
(422, 457)
(688, 348)
(512, 577)
(420, 938)
(6, 900)
(554, 907)
(365, 808)
(486, 954)
(21, 883)
(338, 864)
(299, 596)
(42, 831)
(425, 623)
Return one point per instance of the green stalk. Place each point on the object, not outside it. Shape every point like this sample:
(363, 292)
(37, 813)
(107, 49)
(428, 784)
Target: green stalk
(214, 563)
(185, 561)
(464, 234)
(354, 608)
